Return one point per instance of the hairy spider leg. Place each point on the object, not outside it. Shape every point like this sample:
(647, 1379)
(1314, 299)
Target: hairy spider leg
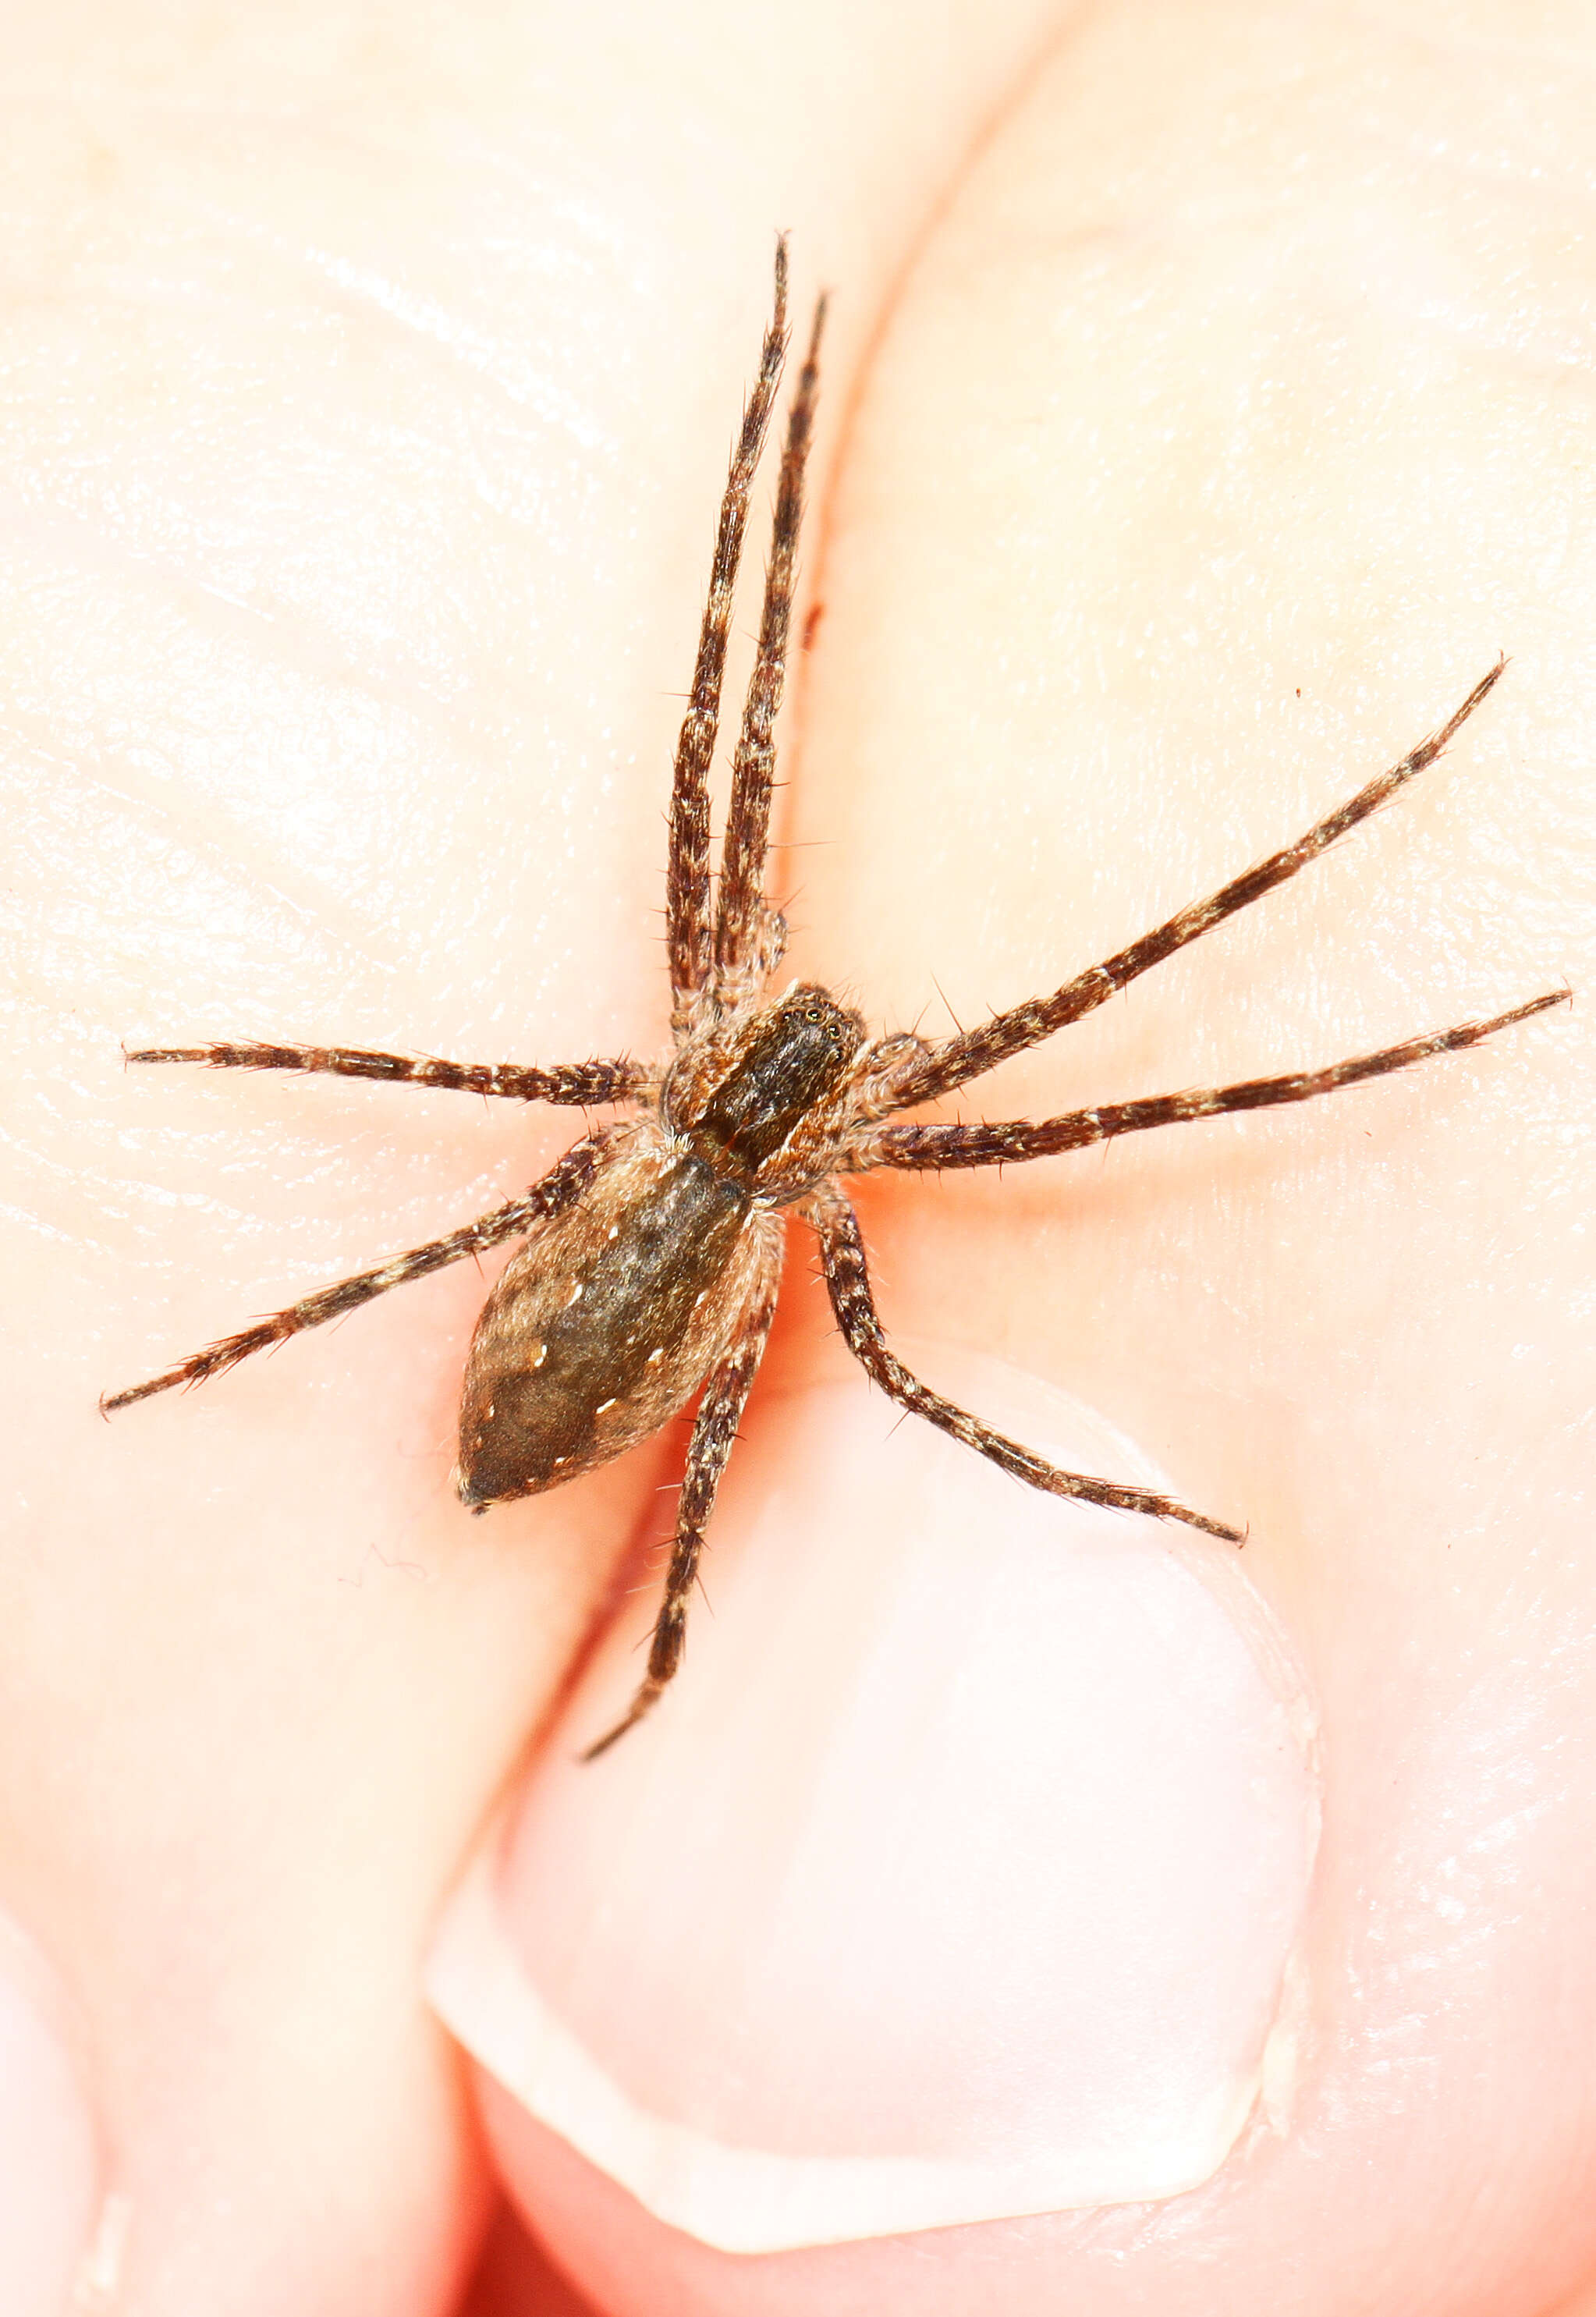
(555, 1192)
(741, 896)
(969, 1054)
(687, 871)
(715, 1428)
(575, 1085)
(847, 1280)
(1013, 1140)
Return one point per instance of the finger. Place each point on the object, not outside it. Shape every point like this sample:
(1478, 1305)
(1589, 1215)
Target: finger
(1196, 471)
(368, 406)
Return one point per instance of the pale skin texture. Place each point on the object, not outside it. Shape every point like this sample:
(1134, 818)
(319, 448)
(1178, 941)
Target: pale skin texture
(370, 384)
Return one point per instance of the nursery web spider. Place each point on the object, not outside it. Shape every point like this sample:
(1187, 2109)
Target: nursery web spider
(652, 1252)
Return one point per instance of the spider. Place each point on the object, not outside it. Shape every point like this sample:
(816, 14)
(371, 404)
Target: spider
(651, 1253)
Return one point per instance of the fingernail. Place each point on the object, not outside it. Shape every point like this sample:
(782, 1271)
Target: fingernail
(957, 1877)
(49, 2164)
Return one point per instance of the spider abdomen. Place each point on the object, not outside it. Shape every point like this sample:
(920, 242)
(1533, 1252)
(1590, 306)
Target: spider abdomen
(606, 1320)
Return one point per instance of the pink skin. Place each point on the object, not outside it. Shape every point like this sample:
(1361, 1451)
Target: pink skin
(368, 402)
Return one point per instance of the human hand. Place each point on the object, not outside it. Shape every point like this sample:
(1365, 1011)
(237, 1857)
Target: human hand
(346, 589)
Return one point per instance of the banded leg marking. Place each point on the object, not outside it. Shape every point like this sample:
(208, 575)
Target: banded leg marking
(1011, 1142)
(847, 1278)
(575, 1085)
(971, 1053)
(556, 1191)
(715, 1428)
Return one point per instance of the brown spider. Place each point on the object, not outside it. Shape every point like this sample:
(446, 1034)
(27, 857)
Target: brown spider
(652, 1252)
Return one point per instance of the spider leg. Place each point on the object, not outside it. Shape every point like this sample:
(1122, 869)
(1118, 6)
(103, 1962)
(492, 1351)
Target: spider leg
(1000, 1144)
(714, 1430)
(556, 1191)
(574, 1084)
(847, 1278)
(687, 873)
(748, 817)
(952, 1061)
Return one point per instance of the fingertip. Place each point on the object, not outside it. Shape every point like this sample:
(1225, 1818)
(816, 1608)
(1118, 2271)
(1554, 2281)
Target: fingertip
(956, 1879)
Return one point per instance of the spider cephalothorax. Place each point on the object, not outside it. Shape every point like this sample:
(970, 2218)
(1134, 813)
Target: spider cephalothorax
(652, 1252)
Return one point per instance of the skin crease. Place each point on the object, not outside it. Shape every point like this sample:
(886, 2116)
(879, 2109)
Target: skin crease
(370, 382)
